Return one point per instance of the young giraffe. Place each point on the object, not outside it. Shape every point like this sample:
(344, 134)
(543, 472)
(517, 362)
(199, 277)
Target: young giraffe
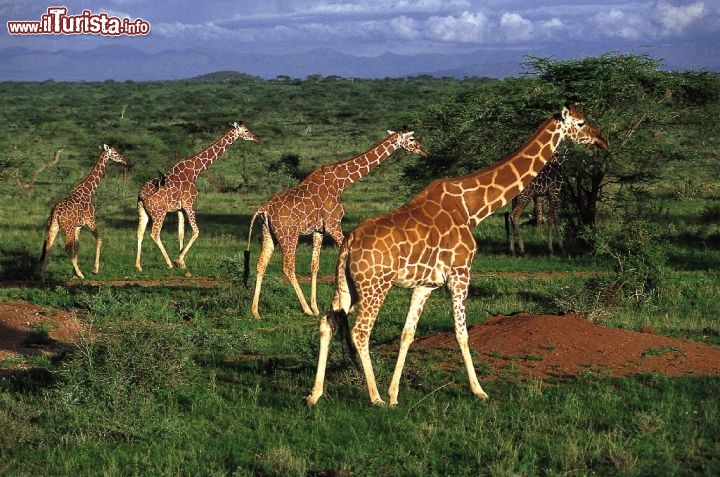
(77, 210)
(548, 183)
(428, 242)
(313, 207)
(176, 191)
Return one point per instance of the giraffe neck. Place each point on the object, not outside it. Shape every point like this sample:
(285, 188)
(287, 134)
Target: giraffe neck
(349, 171)
(485, 191)
(196, 164)
(90, 183)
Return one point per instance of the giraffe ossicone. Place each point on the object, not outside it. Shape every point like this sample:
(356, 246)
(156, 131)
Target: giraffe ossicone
(76, 211)
(428, 243)
(176, 191)
(314, 207)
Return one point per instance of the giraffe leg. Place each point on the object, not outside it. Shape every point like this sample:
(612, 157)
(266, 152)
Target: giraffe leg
(314, 267)
(326, 333)
(289, 270)
(181, 228)
(515, 231)
(195, 232)
(72, 247)
(53, 229)
(98, 247)
(553, 223)
(417, 302)
(368, 309)
(458, 284)
(143, 220)
(341, 303)
(157, 224)
(267, 250)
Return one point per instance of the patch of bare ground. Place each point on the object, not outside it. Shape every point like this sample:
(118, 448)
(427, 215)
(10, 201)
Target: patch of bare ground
(527, 345)
(30, 330)
(561, 346)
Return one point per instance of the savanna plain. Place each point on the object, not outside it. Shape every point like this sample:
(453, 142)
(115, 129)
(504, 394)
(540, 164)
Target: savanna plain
(168, 373)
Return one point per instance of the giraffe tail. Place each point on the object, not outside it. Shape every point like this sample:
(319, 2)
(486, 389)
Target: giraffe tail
(339, 320)
(507, 228)
(44, 252)
(345, 295)
(246, 262)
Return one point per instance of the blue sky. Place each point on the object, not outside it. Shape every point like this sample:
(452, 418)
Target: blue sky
(375, 27)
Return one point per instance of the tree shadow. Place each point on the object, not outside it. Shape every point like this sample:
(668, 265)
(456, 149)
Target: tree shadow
(20, 264)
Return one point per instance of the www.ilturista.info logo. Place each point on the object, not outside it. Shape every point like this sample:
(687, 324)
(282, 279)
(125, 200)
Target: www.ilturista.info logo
(57, 22)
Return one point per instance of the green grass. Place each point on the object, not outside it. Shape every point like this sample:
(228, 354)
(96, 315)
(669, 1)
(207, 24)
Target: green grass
(178, 379)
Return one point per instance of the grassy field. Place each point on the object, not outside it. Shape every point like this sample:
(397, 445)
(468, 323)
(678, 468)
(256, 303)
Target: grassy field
(179, 379)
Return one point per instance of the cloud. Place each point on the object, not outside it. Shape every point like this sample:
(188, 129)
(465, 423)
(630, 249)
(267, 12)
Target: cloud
(675, 20)
(516, 28)
(658, 20)
(404, 28)
(468, 27)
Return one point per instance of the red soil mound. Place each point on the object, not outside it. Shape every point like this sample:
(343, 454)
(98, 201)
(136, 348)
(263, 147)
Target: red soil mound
(562, 346)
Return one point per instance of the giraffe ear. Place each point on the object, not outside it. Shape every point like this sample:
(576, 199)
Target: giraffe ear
(565, 114)
(106, 147)
(391, 132)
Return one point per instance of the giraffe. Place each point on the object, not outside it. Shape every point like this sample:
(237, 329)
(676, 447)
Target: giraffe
(77, 210)
(176, 191)
(313, 207)
(427, 243)
(548, 183)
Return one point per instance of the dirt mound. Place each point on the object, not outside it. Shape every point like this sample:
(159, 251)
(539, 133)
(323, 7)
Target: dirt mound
(566, 345)
(523, 344)
(29, 330)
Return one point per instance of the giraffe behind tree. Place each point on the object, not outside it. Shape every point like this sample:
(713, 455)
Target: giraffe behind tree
(428, 243)
(314, 207)
(176, 191)
(548, 183)
(77, 210)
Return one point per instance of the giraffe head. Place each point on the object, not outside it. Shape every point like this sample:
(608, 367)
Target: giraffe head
(112, 154)
(406, 140)
(577, 127)
(244, 133)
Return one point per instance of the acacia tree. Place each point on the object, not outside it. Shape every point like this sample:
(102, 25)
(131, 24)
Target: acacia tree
(628, 97)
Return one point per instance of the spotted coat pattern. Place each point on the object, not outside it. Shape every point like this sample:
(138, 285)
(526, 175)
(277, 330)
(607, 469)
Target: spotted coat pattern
(176, 191)
(548, 183)
(315, 207)
(428, 243)
(76, 211)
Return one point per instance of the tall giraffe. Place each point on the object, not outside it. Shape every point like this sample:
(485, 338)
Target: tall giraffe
(77, 210)
(176, 191)
(313, 207)
(427, 243)
(548, 183)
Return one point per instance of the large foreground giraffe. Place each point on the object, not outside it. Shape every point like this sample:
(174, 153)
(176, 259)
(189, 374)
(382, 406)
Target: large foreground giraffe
(427, 243)
(313, 207)
(176, 191)
(77, 210)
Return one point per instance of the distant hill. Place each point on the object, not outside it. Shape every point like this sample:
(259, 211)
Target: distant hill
(226, 76)
(123, 63)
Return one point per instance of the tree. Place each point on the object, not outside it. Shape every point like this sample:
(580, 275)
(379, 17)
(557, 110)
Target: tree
(631, 100)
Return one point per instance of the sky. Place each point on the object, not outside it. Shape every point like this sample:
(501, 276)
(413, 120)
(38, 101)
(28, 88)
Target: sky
(689, 29)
